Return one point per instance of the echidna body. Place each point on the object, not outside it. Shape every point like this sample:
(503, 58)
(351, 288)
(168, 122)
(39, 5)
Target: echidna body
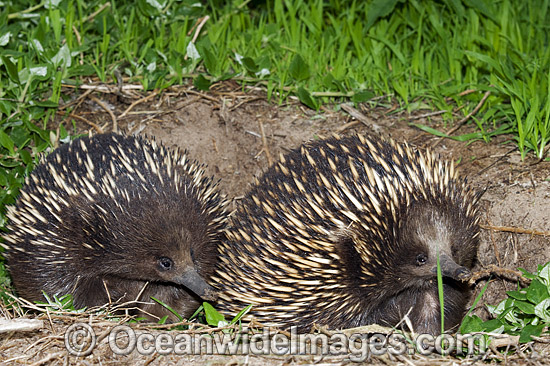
(345, 232)
(116, 218)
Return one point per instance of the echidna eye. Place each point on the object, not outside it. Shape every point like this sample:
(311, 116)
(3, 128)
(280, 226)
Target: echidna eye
(165, 263)
(421, 259)
(192, 254)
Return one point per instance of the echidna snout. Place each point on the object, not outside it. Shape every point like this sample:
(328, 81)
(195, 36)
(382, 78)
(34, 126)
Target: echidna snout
(450, 269)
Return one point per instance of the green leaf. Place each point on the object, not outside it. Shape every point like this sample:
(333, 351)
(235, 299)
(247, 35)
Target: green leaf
(362, 96)
(201, 83)
(5, 39)
(11, 163)
(457, 7)
(64, 302)
(493, 326)
(537, 291)
(6, 141)
(38, 72)
(196, 312)
(299, 69)
(526, 307)
(250, 65)
(478, 297)
(212, 316)
(6, 107)
(11, 69)
(471, 324)
(328, 80)
(163, 320)
(527, 274)
(306, 98)
(210, 61)
(151, 8)
(542, 310)
(63, 57)
(529, 330)
(169, 308)
(440, 294)
(486, 60)
(63, 134)
(544, 272)
(227, 76)
(429, 129)
(379, 9)
(481, 7)
(46, 104)
(80, 70)
(433, 131)
(20, 136)
(519, 295)
(241, 313)
(25, 156)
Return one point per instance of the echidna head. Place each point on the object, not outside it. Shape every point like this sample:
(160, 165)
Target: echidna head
(431, 233)
(427, 233)
(167, 242)
(175, 256)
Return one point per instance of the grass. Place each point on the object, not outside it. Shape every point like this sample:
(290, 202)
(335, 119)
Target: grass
(440, 294)
(444, 55)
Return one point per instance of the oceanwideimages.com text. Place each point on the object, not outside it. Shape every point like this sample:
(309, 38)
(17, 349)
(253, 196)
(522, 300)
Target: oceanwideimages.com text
(80, 340)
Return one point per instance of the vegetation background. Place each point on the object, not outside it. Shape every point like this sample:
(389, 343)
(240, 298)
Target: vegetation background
(486, 61)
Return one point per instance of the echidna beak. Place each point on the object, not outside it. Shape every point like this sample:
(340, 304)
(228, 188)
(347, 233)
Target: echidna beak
(194, 282)
(452, 270)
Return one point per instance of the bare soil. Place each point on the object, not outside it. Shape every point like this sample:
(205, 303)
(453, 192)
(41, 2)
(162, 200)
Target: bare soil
(238, 134)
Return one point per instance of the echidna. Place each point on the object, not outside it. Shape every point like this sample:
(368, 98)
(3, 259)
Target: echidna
(345, 232)
(116, 218)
